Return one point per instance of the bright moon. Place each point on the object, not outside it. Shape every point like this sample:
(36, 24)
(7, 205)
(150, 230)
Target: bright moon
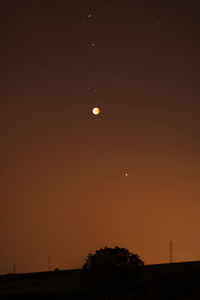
(96, 110)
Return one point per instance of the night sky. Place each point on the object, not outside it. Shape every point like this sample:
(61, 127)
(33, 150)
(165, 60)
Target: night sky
(72, 182)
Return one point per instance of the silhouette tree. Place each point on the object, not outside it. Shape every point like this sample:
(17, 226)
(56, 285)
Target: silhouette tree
(113, 270)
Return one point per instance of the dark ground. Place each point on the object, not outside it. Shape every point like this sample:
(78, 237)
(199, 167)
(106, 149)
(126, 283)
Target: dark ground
(163, 281)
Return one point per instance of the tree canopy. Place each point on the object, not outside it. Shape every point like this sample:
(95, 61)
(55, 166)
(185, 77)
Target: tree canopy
(113, 269)
(112, 259)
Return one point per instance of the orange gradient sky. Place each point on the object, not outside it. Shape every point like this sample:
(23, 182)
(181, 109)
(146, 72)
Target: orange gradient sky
(64, 189)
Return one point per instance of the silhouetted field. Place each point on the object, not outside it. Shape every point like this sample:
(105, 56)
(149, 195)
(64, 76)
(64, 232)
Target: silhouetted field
(164, 281)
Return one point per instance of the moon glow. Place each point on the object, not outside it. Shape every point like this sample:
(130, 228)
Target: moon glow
(96, 111)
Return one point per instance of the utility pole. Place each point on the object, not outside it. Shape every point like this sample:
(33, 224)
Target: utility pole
(170, 252)
(49, 263)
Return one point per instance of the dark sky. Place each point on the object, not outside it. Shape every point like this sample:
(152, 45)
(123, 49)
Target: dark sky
(71, 182)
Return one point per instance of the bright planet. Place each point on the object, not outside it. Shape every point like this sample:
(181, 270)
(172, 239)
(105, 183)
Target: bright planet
(96, 110)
